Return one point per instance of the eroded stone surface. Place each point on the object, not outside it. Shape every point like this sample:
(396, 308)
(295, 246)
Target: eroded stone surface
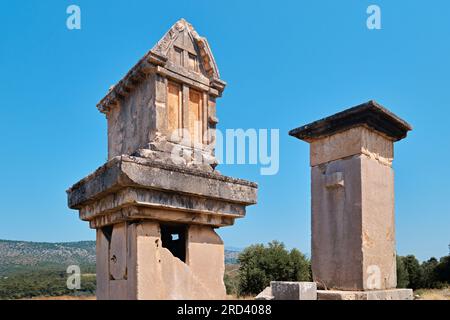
(205, 252)
(336, 225)
(129, 188)
(266, 294)
(102, 266)
(393, 294)
(353, 229)
(354, 141)
(153, 273)
(370, 114)
(285, 290)
(118, 252)
(126, 171)
(378, 226)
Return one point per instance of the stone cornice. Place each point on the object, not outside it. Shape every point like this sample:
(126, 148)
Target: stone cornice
(370, 114)
(128, 171)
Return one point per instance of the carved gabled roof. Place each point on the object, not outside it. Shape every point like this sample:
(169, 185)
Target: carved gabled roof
(163, 46)
(157, 57)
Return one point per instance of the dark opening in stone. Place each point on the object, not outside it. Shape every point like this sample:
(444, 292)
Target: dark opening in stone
(173, 238)
(107, 232)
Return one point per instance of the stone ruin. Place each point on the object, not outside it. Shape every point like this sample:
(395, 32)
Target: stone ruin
(352, 182)
(156, 203)
(352, 207)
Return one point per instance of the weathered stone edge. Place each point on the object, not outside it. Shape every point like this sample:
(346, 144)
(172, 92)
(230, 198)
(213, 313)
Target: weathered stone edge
(114, 179)
(388, 294)
(370, 114)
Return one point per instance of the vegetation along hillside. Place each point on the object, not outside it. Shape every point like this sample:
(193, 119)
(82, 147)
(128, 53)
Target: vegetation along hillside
(29, 269)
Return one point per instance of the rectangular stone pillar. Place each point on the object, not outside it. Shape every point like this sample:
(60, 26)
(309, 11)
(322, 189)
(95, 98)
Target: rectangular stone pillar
(134, 264)
(352, 181)
(206, 252)
(353, 231)
(102, 266)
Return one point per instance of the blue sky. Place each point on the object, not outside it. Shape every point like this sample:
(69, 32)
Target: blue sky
(286, 63)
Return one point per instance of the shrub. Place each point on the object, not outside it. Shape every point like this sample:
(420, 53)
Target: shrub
(260, 265)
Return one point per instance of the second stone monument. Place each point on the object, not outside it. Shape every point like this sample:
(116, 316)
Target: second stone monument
(352, 190)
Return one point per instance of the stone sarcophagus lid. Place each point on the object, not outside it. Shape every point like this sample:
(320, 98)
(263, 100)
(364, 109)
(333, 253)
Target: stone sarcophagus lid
(156, 203)
(352, 190)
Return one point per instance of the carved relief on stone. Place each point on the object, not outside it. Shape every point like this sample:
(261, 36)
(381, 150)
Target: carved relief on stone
(204, 54)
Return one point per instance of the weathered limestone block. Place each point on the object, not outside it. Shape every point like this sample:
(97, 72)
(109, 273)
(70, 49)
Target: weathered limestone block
(118, 252)
(181, 283)
(378, 226)
(285, 290)
(154, 273)
(206, 258)
(132, 120)
(128, 188)
(102, 266)
(362, 202)
(160, 275)
(145, 281)
(353, 141)
(392, 294)
(266, 294)
(118, 290)
(352, 181)
(336, 219)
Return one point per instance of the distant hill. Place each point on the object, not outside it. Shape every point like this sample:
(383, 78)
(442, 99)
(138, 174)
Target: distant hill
(30, 269)
(17, 256)
(231, 255)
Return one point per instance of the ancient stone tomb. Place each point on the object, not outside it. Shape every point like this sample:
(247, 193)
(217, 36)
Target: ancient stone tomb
(352, 190)
(156, 203)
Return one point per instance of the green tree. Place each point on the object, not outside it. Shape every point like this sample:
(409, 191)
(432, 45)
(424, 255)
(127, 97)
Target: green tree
(442, 270)
(301, 267)
(412, 265)
(231, 280)
(429, 276)
(402, 273)
(260, 264)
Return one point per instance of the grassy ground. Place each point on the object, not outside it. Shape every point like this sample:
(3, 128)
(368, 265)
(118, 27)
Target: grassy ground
(422, 294)
(432, 294)
(229, 297)
(63, 298)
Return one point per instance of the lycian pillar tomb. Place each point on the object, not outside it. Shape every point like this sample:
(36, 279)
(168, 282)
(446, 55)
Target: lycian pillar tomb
(156, 203)
(352, 190)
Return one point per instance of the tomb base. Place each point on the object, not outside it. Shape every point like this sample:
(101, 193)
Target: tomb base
(392, 294)
(155, 225)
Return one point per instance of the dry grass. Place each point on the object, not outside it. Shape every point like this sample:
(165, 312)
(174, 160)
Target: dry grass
(63, 298)
(235, 297)
(422, 294)
(433, 294)
(229, 297)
